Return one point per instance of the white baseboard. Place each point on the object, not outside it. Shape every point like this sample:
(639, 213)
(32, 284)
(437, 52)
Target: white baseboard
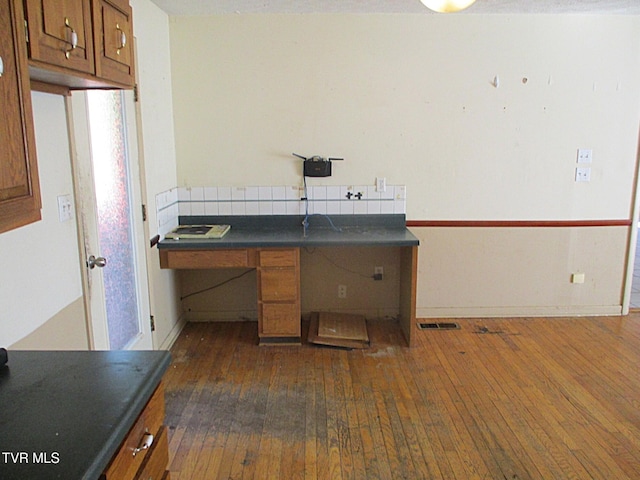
(222, 316)
(488, 312)
(173, 334)
(252, 316)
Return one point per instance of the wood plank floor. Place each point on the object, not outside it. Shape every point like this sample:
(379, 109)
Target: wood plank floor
(512, 399)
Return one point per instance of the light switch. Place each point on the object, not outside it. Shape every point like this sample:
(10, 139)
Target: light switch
(585, 155)
(65, 208)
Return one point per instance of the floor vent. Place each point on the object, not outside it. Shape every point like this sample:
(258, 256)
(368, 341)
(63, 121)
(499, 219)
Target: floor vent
(439, 326)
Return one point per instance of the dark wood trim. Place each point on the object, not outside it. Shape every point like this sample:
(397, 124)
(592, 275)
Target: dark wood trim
(519, 223)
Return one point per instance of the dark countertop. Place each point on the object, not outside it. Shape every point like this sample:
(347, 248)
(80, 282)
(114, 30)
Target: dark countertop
(71, 409)
(288, 231)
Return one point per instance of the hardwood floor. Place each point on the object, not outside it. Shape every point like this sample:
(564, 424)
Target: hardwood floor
(500, 399)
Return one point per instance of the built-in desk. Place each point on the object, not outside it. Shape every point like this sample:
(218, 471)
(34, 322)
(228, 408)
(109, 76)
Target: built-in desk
(271, 245)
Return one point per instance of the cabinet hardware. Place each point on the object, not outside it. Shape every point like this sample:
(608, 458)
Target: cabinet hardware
(145, 444)
(73, 38)
(1, 67)
(123, 39)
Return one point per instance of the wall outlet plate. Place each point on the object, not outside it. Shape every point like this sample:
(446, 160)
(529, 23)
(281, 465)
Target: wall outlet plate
(583, 174)
(585, 155)
(65, 208)
(577, 278)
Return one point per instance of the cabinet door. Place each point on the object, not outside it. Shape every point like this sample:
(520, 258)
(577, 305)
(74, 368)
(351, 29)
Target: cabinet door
(280, 319)
(113, 40)
(19, 187)
(60, 34)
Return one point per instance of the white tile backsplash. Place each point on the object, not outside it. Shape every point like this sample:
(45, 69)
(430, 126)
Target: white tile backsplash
(238, 193)
(279, 207)
(197, 194)
(278, 193)
(211, 208)
(252, 207)
(360, 207)
(276, 200)
(224, 193)
(224, 208)
(251, 193)
(265, 193)
(211, 194)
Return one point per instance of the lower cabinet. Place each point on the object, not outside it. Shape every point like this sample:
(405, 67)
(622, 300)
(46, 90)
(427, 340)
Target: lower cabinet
(144, 453)
(278, 276)
(279, 296)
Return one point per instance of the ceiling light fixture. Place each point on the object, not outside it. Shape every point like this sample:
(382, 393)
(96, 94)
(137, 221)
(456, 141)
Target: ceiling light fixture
(447, 6)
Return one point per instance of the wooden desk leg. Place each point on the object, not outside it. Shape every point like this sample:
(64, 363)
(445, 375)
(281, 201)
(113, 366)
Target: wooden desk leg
(408, 282)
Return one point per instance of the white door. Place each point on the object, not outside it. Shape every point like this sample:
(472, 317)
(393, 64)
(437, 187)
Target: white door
(109, 204)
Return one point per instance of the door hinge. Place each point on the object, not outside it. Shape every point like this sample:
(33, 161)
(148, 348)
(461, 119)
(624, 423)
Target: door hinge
(136, 93)
(152, 321)
(144, 212)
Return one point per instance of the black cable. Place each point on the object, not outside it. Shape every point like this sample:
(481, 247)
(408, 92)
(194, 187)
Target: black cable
(341, 267)
(217, 285)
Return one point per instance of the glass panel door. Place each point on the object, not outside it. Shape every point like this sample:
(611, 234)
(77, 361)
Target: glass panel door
(108, 143)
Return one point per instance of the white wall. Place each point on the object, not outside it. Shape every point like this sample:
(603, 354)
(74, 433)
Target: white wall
(40, 273)
(151, 27)
(412, 98)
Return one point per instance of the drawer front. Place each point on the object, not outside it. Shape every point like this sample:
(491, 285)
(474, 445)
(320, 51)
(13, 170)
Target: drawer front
(287, 257)
(278, 284)
(156, 461)
(280, 319)
(125, 464)
(189, 259)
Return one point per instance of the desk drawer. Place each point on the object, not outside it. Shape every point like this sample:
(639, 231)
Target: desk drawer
(125, 464)
(278, 284)
(286, 257)
(189, 259)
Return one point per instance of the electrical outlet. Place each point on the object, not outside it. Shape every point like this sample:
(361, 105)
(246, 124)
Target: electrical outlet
(577, 278)
(378, 272)
(381, 184)
(583, 174)
(342, 291)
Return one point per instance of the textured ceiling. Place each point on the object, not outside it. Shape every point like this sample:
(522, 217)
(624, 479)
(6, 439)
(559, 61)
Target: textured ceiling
(212, 7)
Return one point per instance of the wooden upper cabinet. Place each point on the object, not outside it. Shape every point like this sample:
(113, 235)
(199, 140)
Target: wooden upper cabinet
(60, 34)
(19, 187)
(80, 44)
(113, 41)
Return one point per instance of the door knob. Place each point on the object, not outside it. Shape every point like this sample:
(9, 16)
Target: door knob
(93, 262)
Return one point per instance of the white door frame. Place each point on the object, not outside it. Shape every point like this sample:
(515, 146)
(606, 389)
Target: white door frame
(93, 284)
(633, 235)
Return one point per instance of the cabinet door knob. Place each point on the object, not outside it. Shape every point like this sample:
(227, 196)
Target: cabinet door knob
(123, 39)
(73, 38)
(145, 444)
(1, 67)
